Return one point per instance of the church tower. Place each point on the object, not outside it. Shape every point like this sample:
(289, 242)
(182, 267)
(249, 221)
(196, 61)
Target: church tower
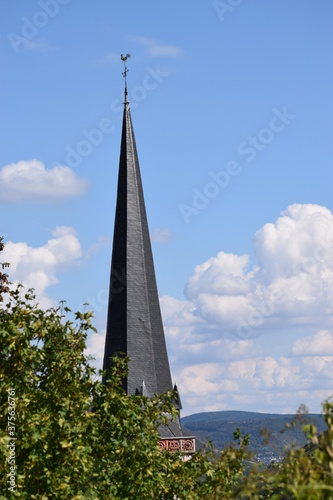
(134, 322)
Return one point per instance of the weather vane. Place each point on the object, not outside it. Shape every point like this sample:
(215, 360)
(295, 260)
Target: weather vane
(124, 59)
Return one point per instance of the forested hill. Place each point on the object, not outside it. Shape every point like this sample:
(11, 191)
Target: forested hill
(268, 431)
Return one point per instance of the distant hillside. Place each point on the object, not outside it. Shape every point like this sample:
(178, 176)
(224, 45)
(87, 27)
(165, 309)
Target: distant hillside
(268, 431)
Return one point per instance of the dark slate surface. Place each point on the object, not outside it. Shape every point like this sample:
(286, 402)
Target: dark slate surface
(134, 323)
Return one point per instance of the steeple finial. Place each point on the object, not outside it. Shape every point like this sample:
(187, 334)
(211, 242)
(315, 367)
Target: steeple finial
(124, 59)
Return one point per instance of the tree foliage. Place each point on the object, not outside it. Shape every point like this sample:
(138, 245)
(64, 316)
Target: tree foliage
(305, 473)
(78, 438)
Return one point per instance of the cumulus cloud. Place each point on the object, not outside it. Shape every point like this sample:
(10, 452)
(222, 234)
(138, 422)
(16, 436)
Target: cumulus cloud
(319, 344)
(157, 49)
(259, 335)
(266, 383)
(30, 181)
(37, 267)
(300, 240)
(292, 281)
(201, 379)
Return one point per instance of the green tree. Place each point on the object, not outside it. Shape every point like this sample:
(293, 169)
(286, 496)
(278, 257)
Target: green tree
(71, 436)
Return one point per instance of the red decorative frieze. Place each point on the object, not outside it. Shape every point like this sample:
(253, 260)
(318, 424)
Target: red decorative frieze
(182, 444)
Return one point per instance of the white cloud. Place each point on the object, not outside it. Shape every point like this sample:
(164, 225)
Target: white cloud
(291, 284)
(157, 49)
(299, 240)
(38, 267)
(95, 348)
(244, 369)
(200, 379)
(320, 365)
(270, 384)
(259, 337)
(27, 181)
(321, 343)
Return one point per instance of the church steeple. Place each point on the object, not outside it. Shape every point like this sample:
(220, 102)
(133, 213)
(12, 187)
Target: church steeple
(134, 323)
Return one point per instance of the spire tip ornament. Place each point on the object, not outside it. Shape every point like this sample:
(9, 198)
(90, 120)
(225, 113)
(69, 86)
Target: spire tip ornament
(124, 59)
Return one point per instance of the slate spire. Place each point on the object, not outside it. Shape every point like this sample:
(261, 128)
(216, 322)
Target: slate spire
(134, 323)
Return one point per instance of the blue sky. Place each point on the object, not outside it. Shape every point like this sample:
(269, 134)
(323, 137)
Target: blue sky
(232, 105)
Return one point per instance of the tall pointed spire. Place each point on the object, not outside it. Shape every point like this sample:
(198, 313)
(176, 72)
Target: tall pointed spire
(134, 323)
